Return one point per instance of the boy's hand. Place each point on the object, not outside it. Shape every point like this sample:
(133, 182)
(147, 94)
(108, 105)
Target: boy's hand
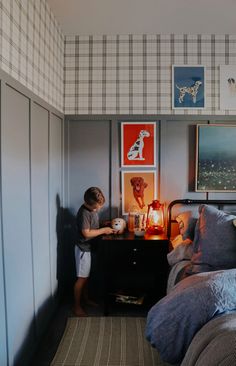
(108, 230)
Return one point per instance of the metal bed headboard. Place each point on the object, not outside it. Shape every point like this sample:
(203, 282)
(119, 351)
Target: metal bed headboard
(219, 203)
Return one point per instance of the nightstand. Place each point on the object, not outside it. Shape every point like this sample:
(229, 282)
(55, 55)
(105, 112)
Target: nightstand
(132, 268)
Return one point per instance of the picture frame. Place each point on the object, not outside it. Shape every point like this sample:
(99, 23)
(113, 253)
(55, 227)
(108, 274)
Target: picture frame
(228, 87)
(215, 158)
(138, 144)
(188, 87)
(144, 195)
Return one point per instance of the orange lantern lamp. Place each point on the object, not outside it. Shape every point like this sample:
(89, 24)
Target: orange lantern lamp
(155, 218)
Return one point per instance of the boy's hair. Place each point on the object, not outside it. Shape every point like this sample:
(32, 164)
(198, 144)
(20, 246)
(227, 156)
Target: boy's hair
(93, 196)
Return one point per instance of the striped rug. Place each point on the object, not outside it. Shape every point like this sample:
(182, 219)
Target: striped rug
(105, 341)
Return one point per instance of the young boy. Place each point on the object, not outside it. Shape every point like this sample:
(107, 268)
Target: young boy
(88, 228)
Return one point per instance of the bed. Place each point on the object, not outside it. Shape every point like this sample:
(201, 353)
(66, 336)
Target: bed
(195, 323)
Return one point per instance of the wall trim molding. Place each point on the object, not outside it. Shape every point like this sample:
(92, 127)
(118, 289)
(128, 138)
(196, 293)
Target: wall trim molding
(20, 88)
(156, 117)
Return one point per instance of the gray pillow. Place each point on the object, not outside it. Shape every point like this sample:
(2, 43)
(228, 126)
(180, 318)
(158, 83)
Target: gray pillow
(214, 245)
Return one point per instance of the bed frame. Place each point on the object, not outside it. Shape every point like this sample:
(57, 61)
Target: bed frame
(184, 202)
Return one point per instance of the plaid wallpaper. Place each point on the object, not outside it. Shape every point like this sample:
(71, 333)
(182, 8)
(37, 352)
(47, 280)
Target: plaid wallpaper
(132, 74)
(121, 74)
(32, 48)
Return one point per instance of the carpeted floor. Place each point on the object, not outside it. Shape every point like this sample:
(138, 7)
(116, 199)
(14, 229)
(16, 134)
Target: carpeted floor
(106, 341)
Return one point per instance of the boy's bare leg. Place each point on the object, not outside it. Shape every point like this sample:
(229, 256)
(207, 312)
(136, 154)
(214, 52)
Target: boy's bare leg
(79, 286)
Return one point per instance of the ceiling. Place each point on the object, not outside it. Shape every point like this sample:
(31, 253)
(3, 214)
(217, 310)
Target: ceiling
(111, 17)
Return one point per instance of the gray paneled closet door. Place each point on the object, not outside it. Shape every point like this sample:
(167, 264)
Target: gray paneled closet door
(3, 339)
(40, 209)
(55, 190)
(16, 219)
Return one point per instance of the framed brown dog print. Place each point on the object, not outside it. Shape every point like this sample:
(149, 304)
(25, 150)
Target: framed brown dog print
(138, 190)
(138, 144)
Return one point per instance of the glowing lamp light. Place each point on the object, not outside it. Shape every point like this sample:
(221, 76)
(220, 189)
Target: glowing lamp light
(155, 218)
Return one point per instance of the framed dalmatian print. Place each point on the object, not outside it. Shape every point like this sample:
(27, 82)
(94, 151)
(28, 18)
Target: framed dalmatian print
(188, 87)
(138, 144)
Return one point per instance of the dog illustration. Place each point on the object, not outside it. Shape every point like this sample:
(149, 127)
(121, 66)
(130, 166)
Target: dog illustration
(138, 185)
(136, 150)
(191, 90)
(232, 86)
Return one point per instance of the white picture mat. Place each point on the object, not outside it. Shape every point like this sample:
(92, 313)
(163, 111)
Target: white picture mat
(228, 87)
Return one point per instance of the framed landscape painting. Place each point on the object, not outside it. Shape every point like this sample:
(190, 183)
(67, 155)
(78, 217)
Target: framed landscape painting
(138, 144)
(138, 190)
(216, 158)
(188, 87)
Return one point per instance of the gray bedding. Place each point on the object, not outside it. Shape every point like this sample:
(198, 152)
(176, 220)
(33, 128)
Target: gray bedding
(195, 324)
(175, 319)
(214, 344)
(176, 274)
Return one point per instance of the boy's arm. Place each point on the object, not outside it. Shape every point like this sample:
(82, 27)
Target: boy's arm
(92, 233)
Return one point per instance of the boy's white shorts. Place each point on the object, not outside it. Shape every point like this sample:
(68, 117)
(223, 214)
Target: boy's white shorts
(82, 262)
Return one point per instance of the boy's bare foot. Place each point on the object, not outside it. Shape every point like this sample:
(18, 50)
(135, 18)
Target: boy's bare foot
(80, 312)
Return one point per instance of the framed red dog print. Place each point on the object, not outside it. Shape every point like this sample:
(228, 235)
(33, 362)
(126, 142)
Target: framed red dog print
(138, 190)
(138, 144)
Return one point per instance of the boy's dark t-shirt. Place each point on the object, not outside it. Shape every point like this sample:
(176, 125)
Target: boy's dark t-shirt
(86, 219)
